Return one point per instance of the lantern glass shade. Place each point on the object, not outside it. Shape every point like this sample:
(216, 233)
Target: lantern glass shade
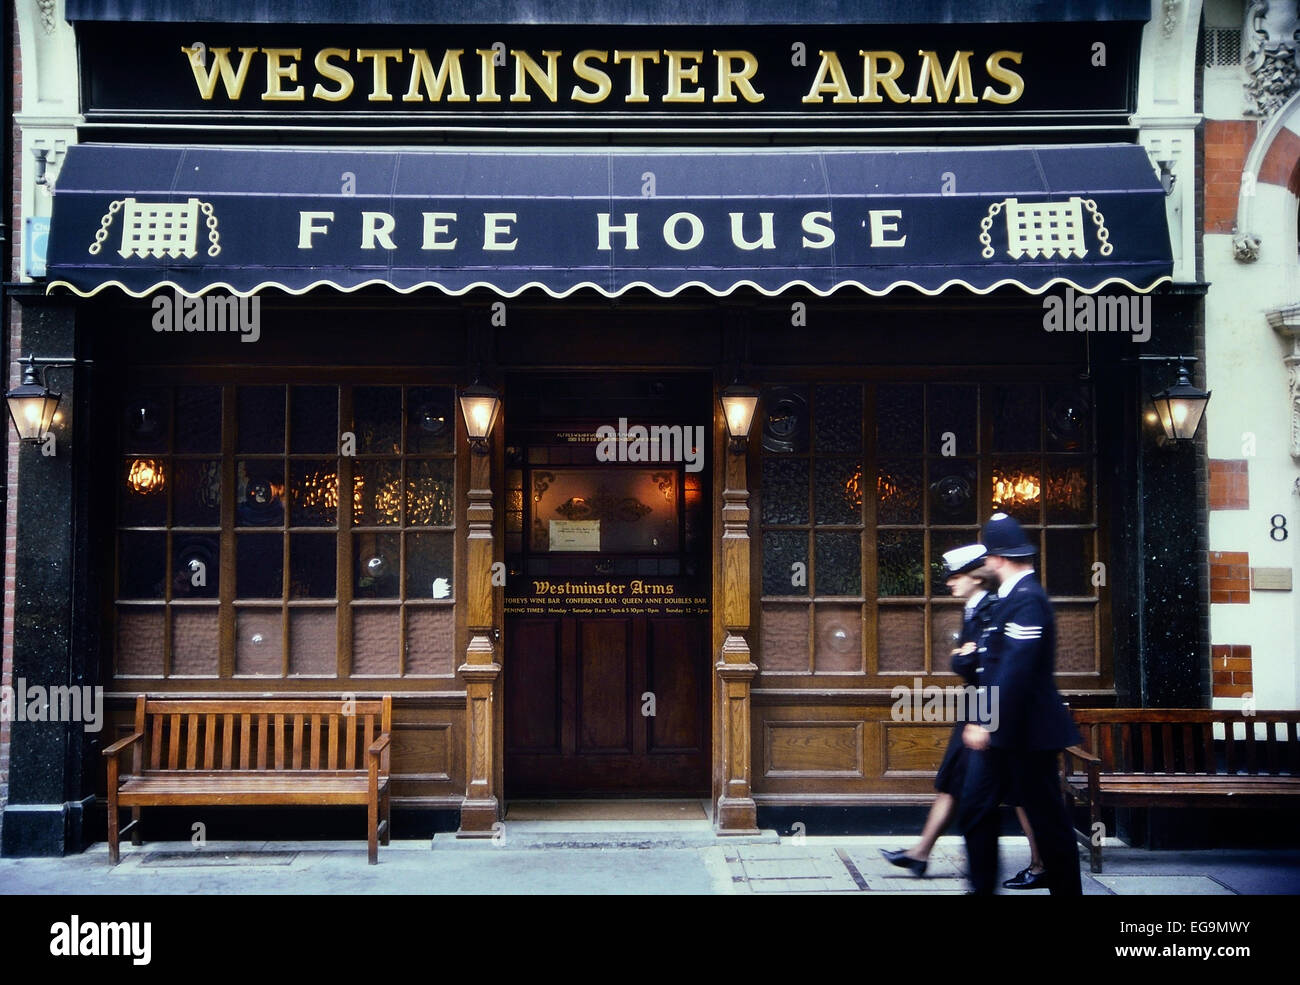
(1180, 408)
(480, 406)
(738, 406)
(32, 408)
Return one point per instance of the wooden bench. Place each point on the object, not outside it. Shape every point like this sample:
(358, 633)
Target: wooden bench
(228, 751)
(1169, 757)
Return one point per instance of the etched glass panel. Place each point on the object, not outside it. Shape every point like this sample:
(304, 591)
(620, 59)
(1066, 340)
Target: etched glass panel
(429, 567)
(142, 565)
(314, 424)
(900, 563)
(261, 419)
(259, 566)
(198, 419)
(839, 564)
(431, 493)
(837, 418)
(899, 418)
(837, 491)
(377, 413)
(196, 496)
(785, 490)
(430, 420)
(782, 551)
(898, 492)
(953, 420)
(1017, 418)
(377, 563)
(313, 566)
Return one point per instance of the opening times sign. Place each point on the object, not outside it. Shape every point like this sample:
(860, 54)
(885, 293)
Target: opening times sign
(597, 597)
(797, 76)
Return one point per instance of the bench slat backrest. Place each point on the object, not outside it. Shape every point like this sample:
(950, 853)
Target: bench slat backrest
(227, 734)
(1183, 740)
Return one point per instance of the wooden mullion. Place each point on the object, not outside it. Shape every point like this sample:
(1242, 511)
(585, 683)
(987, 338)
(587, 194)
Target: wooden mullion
(870, 560)
(226, 629)
(403, 536)
(286, 577)
(343, 588)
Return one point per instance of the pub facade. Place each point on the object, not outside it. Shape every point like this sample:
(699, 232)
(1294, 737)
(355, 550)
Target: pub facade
(604, 389)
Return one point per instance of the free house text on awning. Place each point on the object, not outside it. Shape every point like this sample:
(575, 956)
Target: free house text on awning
(199, 219)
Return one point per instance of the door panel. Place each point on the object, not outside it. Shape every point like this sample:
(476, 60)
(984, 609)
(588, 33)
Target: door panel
(673, 677)
(533, 668)
(604, 675)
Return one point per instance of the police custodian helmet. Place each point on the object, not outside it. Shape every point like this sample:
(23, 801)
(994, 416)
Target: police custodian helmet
(1003, 537)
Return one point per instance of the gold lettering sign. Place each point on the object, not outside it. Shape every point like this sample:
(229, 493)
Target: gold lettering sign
(596, 77)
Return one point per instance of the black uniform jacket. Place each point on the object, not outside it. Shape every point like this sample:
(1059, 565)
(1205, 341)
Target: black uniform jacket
(1020, 663)
(973, 629)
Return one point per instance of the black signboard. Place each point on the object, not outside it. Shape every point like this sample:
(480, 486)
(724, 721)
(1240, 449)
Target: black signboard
(641, 78)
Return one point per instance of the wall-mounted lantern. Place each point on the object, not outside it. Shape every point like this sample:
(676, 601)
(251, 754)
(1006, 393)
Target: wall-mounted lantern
(738, 405)
(480, 406)
(1180, 407)
(32, 404)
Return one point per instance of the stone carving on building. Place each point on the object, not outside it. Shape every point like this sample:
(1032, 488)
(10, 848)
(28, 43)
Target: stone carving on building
(1245, 247)
(1270, 55)
(1286, 322)
(1170, 10)
(47, 10)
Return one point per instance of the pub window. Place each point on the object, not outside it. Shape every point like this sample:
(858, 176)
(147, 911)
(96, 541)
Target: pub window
(862, 489)
(238, 557)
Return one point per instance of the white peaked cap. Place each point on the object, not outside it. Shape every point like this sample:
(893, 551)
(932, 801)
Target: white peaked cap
(962, 559)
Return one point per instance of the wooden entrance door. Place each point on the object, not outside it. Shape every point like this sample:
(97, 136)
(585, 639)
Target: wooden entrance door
(579, 692)
(607, 673)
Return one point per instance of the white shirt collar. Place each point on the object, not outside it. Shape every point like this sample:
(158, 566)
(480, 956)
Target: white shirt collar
(974, 600)
(1005, 588)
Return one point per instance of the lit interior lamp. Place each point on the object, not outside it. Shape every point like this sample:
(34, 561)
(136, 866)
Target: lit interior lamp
(1180, 407)
(145, 476)
(480, 406)
(738, 405)
(32, 405)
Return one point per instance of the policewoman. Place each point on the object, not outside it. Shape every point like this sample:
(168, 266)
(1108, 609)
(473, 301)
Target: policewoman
(966, 579)
(1020, 744)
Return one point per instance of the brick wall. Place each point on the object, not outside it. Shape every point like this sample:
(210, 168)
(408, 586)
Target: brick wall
(1229, 576)
(1226, 145)
(1230, 665)
(1229, 484)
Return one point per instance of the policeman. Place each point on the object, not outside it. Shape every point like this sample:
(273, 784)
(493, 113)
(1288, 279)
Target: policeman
(1018, 747)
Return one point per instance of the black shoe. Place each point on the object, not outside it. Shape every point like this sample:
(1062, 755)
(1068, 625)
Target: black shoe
(904, 861)
(1026, 878)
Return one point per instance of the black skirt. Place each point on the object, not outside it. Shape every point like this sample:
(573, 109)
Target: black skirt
(952, 771)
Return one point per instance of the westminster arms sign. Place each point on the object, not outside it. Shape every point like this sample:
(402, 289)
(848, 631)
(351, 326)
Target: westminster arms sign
(866, 77)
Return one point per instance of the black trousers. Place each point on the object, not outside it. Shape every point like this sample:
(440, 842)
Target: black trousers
(990, 776)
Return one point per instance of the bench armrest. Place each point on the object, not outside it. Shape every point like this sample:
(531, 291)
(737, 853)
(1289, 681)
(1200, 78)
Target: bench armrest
(121, 744)
(379, 745)
(1081, 753)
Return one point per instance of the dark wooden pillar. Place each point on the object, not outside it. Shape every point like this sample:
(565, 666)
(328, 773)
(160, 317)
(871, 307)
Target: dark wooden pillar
(735, 811)
(480, 671)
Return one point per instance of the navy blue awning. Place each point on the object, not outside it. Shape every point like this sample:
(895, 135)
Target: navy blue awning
(245, 219)
(610, 11)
